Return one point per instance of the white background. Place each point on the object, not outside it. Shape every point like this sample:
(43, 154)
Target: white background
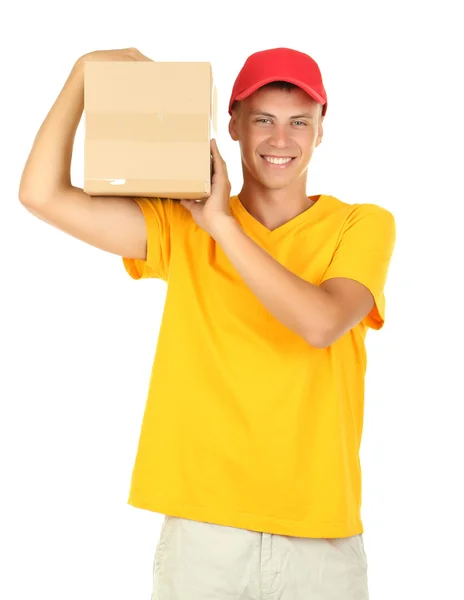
(78, 335)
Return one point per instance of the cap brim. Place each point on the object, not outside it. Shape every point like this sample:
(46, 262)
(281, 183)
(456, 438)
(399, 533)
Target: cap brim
(296, 82)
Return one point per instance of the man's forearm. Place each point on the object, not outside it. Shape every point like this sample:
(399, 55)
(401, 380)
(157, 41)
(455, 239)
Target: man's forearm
(301, 306)
(49, 163)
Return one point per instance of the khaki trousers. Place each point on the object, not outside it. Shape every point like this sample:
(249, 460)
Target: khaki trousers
(205, 561)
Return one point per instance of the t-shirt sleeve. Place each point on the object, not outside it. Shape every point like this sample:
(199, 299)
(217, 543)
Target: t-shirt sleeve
(363, 253)
(156, 212)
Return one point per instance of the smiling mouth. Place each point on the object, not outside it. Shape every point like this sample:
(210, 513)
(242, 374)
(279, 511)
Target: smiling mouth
(279, 162)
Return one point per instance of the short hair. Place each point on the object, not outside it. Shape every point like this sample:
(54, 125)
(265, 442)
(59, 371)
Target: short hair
(282, 85)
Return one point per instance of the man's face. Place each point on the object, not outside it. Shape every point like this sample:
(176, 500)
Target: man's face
(278, 130)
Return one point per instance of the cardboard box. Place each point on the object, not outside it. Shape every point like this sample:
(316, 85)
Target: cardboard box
(148, 129)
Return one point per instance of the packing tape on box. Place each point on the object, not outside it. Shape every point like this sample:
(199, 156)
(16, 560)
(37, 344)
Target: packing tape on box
(147, 127)
(152, 188)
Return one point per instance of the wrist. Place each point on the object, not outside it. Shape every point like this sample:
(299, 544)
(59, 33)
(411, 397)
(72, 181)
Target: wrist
(222, 225)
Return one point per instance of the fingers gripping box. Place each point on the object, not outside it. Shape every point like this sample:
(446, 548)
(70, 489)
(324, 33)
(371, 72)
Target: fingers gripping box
(148, 127)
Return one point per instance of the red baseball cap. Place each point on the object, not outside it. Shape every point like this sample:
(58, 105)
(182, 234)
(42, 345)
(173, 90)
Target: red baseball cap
(279, 64)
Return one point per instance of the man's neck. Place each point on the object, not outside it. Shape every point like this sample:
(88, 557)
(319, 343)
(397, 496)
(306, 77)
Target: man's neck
(273, 208)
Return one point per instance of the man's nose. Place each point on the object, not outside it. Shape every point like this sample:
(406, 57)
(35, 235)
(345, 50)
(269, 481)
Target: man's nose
(279, 137)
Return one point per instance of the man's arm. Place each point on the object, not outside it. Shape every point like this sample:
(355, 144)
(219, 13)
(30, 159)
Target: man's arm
(320, 315)
(113, 223)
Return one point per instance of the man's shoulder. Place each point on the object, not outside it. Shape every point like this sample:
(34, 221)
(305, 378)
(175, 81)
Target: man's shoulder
(349, 209)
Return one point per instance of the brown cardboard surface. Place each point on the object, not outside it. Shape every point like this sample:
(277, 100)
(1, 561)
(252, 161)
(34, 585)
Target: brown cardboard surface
(148, 128)
(214, 108)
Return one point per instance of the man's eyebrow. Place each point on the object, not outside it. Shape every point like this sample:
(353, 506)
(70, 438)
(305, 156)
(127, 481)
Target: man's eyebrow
(266, 114)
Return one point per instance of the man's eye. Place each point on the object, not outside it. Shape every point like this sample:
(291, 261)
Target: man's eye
(263, 120)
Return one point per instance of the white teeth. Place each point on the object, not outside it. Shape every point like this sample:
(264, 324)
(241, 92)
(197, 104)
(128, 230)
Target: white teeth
(277, 161)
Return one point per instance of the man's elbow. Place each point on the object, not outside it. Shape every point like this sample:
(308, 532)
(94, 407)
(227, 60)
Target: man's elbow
(321, 338)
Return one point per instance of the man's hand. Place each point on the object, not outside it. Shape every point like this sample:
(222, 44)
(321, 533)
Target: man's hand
(210, 212)
(121, 55)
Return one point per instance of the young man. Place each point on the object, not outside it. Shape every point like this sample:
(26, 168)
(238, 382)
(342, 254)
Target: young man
(251, 434)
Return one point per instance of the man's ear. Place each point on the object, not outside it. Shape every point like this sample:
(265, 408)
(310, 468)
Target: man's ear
(233, 127)
(320, 132)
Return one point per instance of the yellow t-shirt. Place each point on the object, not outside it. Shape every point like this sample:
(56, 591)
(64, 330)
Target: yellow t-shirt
(247, 425)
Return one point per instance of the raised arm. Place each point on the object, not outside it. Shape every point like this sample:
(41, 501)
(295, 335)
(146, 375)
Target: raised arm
(112, 223)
